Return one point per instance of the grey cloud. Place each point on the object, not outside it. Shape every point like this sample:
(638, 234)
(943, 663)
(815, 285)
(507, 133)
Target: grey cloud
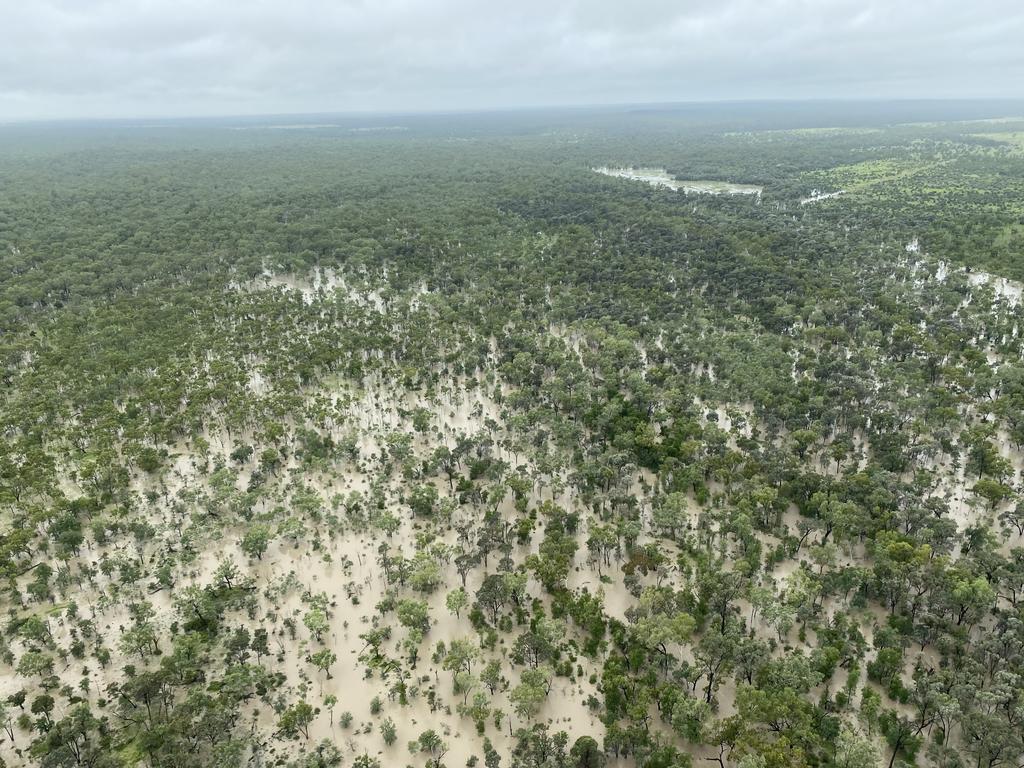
(70, 58)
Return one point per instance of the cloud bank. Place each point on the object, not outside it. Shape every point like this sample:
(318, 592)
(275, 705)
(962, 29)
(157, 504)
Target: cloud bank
(128, 58)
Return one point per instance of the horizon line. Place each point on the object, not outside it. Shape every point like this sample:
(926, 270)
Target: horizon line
(456, 111)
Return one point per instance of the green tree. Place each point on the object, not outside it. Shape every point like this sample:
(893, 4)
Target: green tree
(456, 600)
(586, 753)
(296, 719)
(430, 743)
(256, 540)
(855, 751)
(414, 614)
(323, 660)
(532, 691)
(316, 622)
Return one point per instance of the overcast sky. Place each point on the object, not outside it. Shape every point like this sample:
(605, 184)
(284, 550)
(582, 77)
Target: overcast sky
(126, 58)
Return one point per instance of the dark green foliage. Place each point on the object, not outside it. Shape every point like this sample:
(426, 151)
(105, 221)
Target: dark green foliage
(722, 386)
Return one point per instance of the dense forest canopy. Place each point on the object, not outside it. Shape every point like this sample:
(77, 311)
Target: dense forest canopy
(416, 440)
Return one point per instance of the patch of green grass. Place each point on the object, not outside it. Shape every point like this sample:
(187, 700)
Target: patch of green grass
(861, 176)
(963, 200)
(1015, 139)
